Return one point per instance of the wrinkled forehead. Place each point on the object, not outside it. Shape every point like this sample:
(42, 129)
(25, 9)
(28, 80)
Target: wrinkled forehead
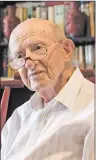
(34, 27)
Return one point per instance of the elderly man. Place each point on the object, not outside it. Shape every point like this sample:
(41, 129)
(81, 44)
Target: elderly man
(55, 122)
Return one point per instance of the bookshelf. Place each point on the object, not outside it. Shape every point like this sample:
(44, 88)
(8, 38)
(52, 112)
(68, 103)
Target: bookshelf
(12, 83)
(83, 41)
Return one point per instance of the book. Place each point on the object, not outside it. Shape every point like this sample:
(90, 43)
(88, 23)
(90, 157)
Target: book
(14, 72)
(43, 12)
(38, 12)
(66, 9)
(51, 13)
(19, 13)
(4, 63)
(89, 57)
(34, 12)
(59, 15)
(9, 71)
(92, 18)
(24, 14)
(75, 58)
(81, 57)
(29, 12)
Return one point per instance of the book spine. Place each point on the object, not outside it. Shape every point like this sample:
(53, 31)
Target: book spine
(29, 12)
(9, 71)
(34, 13)
(5, 63)
(59, 16)
(75, 59)
(43, 12)
(51, 13)
(91, 56)
(37, 12)
(24, 14)
(66, 9)
(81, 57)
(19, 13)
(92, 18)
(89, 60)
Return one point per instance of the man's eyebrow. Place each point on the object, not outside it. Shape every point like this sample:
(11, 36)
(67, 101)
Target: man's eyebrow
(37, 42)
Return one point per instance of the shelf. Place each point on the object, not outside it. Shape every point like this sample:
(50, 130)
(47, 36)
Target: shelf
(83, 40)
(11, 83)
(88, 72)
(5, 3)
(3, 44)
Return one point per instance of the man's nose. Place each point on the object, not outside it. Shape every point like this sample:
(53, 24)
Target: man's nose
(29, 63)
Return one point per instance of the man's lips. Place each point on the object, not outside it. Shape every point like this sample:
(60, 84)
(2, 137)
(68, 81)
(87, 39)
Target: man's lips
(34, 73)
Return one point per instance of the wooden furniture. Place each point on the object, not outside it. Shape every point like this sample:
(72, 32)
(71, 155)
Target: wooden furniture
(12, 83)
(4, 105)
(89, 74)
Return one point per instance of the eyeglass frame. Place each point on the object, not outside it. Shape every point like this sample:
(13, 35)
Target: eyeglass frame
(26, 58)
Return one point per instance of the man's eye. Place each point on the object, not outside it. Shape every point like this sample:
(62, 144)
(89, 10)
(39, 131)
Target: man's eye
(20, 56)
(38, 47)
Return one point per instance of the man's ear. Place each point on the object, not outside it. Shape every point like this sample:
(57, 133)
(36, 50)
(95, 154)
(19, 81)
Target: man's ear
(68, 47)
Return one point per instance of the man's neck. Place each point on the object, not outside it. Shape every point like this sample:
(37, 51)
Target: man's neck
(47, 94)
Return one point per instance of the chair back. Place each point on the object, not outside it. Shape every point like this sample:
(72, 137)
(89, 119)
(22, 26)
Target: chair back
(4, 105)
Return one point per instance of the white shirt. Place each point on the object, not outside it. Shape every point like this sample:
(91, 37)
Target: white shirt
(59, 131)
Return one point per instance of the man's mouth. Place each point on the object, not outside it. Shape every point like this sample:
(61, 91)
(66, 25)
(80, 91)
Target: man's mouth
(34, 73)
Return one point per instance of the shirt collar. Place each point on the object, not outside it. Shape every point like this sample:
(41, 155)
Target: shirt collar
(69, 92)
(36, 102)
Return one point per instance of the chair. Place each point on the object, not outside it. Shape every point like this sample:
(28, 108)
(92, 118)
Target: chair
(89, 74)
(4, 105)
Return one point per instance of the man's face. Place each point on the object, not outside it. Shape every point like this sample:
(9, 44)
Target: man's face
(44, 59)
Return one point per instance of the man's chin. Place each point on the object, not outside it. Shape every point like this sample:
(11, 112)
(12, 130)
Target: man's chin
(36, 86)
(40, 86)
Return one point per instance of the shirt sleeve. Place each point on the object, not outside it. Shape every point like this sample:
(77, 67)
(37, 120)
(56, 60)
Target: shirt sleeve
(88, 151)
(9, 132)
(12, 128)
(4, 132)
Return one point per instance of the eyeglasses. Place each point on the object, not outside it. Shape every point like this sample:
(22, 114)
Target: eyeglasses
(38, 54)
